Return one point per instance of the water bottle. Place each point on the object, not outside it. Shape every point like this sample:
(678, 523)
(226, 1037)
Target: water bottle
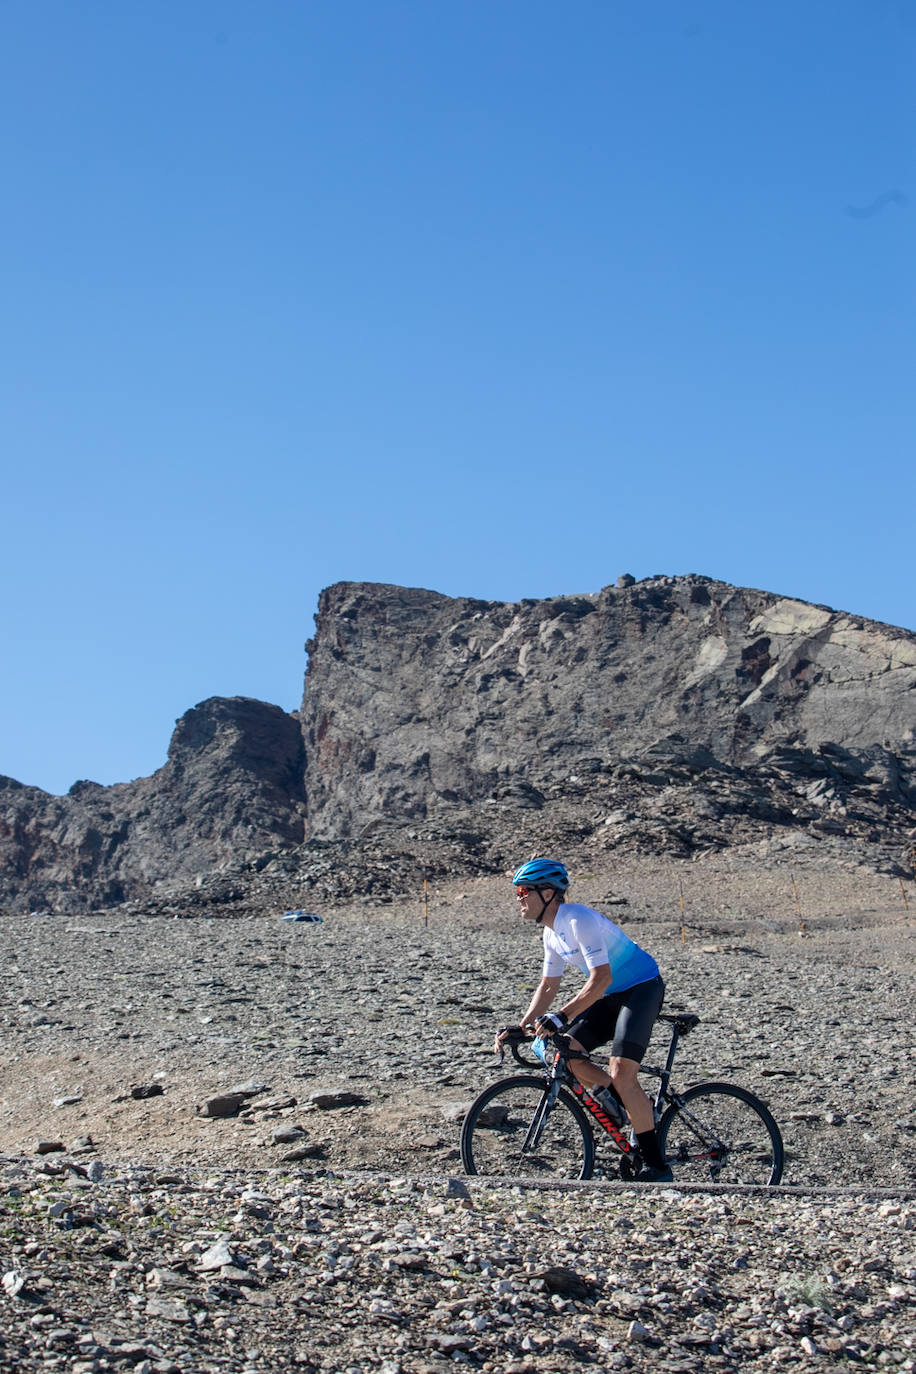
(608, 1099)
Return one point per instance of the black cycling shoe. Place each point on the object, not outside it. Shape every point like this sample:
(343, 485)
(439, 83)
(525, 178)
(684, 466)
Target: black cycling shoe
(653, 1174)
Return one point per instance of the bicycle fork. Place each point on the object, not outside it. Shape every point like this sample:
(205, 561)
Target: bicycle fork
(532, 1139)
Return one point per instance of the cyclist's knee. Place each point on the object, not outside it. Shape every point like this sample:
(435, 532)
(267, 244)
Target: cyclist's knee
(623, 1072)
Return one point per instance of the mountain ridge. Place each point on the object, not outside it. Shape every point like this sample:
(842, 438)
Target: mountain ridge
(425, 709)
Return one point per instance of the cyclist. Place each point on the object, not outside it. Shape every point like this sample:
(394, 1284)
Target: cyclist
(619, 1001)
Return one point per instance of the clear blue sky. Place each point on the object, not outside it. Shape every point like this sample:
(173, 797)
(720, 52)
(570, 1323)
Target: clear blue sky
(498, 297)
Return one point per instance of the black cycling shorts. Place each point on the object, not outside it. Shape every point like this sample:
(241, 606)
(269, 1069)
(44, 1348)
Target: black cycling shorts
(625, 1017)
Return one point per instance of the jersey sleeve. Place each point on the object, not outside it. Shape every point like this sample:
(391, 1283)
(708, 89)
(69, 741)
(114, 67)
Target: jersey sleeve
(554, 963)
(590, 934)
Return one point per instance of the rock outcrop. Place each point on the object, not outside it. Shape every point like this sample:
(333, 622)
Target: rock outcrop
(668, 715)
(415, 701)
(232, 787)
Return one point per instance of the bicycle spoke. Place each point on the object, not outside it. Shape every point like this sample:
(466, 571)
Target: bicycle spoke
(511, 1131)
(720, 1133)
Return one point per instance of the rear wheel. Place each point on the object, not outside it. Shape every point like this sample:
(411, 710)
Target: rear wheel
(512, 1131)
(720, 1133)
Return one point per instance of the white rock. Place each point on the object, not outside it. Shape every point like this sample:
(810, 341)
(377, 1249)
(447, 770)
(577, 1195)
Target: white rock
(216, 1257)
(13, 1283)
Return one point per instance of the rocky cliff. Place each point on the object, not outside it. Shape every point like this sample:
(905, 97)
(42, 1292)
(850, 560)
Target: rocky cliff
(416, 701)
(672, 714)
(232, 787)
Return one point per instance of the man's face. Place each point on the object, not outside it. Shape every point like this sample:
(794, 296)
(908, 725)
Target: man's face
(532, 901)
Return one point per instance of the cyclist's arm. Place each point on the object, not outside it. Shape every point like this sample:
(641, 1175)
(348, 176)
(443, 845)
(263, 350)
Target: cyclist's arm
(545, 992)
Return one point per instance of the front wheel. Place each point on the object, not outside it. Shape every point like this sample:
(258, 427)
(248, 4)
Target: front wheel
(719, 1133)
(513, 1130)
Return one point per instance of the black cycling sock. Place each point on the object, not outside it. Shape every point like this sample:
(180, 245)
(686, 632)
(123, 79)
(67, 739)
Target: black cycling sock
(648, 1148)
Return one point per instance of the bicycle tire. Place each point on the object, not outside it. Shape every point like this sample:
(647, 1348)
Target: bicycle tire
(500, 1119)
(720, 1133)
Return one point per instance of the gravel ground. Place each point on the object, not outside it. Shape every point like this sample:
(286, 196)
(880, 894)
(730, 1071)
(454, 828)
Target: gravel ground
(349, 1242)
(178, 1270)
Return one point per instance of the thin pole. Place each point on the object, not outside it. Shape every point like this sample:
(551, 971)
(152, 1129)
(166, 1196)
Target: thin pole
(425, 902)
(801, 924)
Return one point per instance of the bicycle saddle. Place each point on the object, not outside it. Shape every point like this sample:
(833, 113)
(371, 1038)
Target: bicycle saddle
(683, 1020)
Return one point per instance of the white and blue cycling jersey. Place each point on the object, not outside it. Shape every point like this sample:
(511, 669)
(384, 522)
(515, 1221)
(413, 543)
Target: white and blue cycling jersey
(586, 939)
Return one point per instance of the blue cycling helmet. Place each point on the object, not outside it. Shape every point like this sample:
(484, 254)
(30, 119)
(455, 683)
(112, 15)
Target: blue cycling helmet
(542, 873)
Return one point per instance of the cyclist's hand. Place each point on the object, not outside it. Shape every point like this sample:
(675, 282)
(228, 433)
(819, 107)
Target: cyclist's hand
(550, 1023)
(503, 1034)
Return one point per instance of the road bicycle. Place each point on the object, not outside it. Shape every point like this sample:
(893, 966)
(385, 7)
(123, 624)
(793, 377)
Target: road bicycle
(545, 1127)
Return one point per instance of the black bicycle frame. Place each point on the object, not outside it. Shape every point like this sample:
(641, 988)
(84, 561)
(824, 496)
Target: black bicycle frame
(597, 1111)
(594, 1109)
(663, 1075)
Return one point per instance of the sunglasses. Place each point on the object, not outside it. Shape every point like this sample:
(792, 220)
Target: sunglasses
(522, 891)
